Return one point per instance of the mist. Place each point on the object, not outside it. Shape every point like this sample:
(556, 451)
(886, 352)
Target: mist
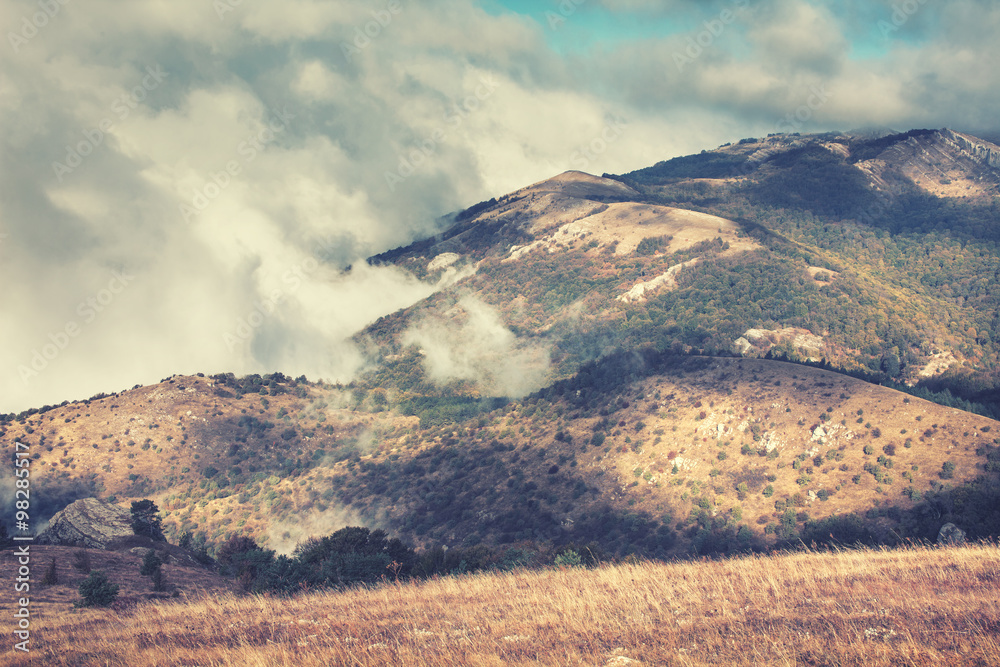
(470, 342)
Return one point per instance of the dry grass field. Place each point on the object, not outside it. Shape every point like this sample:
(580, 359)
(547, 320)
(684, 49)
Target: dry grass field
(915, 606)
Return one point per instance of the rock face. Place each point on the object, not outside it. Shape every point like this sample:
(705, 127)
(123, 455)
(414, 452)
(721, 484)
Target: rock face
(88, 522)
(982, 151)
(951, 534)
(803, 341)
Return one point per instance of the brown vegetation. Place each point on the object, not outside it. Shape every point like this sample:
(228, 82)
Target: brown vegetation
(915, 606)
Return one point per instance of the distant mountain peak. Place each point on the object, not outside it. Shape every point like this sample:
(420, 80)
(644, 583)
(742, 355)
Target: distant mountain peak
(581, 185)
(944, 163)
(872, 132)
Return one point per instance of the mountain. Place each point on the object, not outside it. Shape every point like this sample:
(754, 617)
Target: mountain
(608, 363)
(834, 247)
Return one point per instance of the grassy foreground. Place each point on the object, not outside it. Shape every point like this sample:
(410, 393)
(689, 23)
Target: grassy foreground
(914, 606)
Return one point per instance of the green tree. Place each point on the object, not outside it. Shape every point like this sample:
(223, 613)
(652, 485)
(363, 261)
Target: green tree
(151, 562)
(159, 581)
(568, 558)
(146, 520)
(97, 590)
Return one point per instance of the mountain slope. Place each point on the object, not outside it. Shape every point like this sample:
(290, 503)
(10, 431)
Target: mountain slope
(575, 381)
(655, 455)
(694, 252)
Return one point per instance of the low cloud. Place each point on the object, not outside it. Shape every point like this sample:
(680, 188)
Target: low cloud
(284, 536)
(470, 342)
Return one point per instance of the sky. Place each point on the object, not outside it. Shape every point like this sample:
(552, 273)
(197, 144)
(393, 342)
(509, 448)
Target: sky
(183, 184)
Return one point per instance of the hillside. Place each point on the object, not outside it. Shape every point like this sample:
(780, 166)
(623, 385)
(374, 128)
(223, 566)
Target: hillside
(601, 367)
(910, 606)
(53, 601)
(657, 456)
(832, 247)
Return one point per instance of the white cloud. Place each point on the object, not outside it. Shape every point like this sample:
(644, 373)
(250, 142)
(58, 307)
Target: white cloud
(470, 342)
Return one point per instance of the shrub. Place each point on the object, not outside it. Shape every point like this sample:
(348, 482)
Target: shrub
(97, 591)
(889, 449)
(768, 491)
(568, 558)
(869, 450)
(652, 245)
(947, 470)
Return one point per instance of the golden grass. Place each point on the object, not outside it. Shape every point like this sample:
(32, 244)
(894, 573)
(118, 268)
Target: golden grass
(914, 606)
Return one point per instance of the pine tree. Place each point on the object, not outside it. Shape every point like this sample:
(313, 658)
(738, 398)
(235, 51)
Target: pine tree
(146, 520)
(151, 563)
(97, 590)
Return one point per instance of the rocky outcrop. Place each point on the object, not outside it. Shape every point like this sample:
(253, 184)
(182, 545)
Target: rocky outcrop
(981, 151)
(803, 341)
(88, 522)
(951, 534)
(666, 280)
